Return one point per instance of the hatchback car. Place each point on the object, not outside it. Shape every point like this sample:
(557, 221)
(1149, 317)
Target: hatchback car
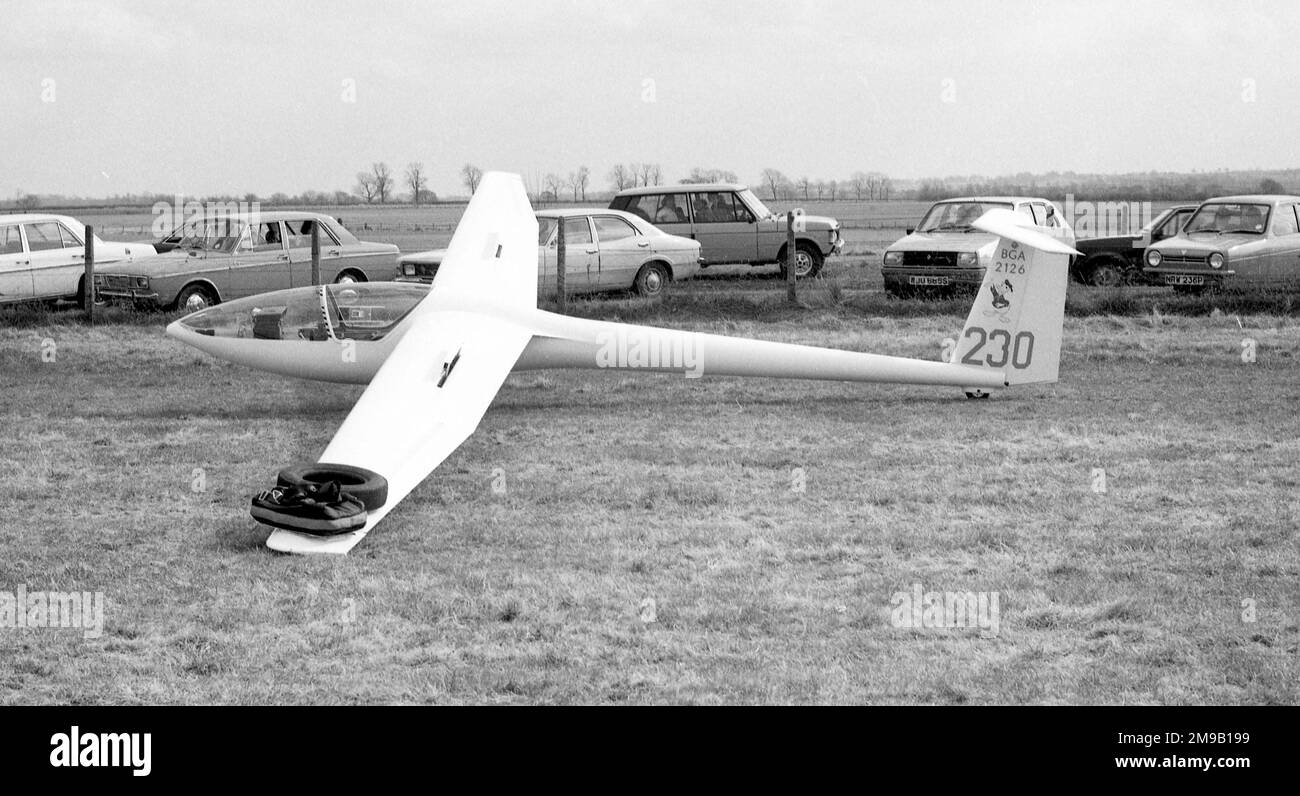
(733, 225)
(604, 250)
(220, 258)
(946, 252)
(42, 257)
(1233, 242)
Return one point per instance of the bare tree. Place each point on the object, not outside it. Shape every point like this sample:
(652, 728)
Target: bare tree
(635, 170)
(859, 183)
(366, 186)
(873, 185)
(802, 185)
(382, 179)
(621, 177)
(886, 185)
(699, 175)
(553, 185)
(28, 202)
(773, 179)
(470, 176)
(656, 175)
(832, 187)
(584, 179)
(572, 182)
(416, 181)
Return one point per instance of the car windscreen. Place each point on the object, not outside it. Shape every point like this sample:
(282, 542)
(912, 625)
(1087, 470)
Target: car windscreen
(545, 228)
(755, 203)
(956, 216)
(212, 234)
(1225, 217)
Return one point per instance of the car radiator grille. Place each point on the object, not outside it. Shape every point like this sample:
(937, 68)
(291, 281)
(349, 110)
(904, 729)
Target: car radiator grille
(931, 259)
(1183, 259)
(117, 280)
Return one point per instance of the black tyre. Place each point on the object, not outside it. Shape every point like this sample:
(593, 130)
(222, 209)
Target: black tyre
(195, 297)
(369, 487)
(1107, 273)
(651, 280)
(348, 277)
(808, 261)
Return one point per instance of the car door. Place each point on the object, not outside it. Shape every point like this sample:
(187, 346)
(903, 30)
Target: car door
(257, 265)
(582, 257)
(1170, 226)
(298, 240)
(1284, 248)
(622, 250)
(15, 265)
(46, 253)
(724, 227)
(667, 211)
(60, 277)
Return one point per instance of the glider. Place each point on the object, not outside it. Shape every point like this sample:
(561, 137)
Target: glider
(434, 358)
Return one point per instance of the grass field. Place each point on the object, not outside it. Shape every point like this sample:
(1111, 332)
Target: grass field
(771, 524)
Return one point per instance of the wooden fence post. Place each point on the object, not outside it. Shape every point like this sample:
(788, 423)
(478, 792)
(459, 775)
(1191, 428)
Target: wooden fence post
(791, 294)
(560, 265)
(315, 252)
(88, 279)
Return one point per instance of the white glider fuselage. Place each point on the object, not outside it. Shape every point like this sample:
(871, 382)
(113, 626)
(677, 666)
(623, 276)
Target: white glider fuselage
(561, 341)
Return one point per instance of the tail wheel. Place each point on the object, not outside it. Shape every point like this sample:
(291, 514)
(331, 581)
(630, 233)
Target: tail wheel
(651, 280)
(977, 394)
(369, 487)
(195, 297)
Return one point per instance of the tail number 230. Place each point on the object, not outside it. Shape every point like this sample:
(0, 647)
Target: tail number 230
(1003, 348)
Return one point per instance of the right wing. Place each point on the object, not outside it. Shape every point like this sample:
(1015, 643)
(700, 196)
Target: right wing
(432, 391)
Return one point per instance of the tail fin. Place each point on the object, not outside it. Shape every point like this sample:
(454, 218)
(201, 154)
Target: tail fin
(1016, 322)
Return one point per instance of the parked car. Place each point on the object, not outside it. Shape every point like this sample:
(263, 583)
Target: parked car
(1117, 259)
(733, 225)
(42, 257)
(1233, 242)
(946, 252)
(225, 257)
(603, 250)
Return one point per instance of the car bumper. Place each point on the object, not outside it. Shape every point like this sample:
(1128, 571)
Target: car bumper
(418, 280)
(932, 277)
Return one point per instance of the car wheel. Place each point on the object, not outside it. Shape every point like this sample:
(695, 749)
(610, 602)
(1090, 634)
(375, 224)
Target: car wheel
(1106, 273)
(193, 298)
(369, 487)
(348, 278)
(651, 280)
(808, 261)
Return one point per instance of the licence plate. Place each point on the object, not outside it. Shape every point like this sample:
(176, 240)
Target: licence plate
(1184, 279)
(927, 280)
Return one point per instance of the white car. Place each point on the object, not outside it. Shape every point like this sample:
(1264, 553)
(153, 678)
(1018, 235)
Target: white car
(42, 257)
(604, 250)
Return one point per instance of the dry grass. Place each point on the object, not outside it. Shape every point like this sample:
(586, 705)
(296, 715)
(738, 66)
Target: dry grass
(622, 488)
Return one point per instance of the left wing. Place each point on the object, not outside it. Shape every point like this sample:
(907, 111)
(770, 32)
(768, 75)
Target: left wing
(425, 400)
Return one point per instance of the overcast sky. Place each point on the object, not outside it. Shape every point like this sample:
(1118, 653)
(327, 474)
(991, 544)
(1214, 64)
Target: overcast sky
(111, 97)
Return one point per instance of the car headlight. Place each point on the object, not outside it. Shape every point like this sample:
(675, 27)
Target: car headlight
(1153, 258)
(893, 258)
(141, 282)
(968, 259)
(1216, 260)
